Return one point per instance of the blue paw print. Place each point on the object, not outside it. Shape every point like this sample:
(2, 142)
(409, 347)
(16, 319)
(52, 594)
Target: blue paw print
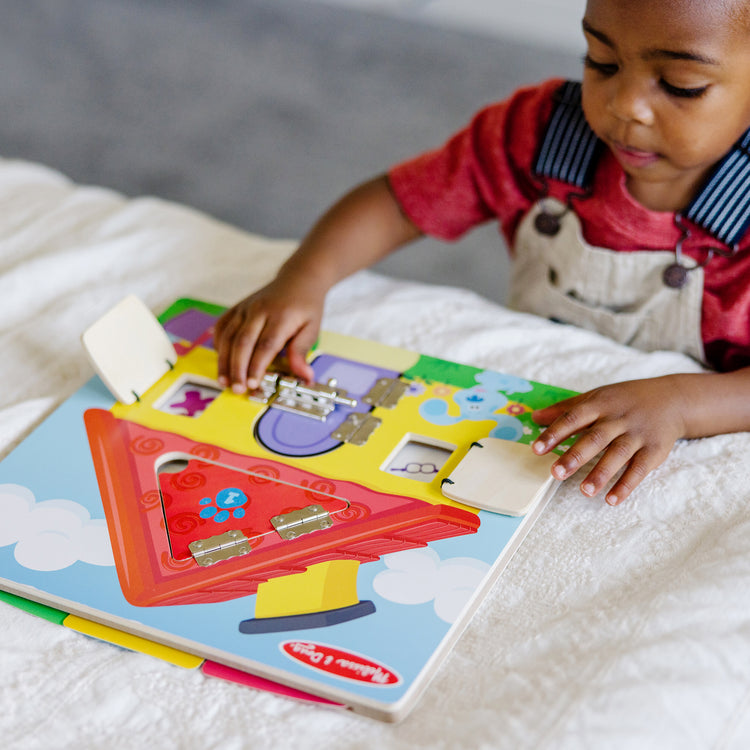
(229, 499)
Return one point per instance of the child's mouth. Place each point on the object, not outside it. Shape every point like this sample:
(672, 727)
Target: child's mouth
(633, 157)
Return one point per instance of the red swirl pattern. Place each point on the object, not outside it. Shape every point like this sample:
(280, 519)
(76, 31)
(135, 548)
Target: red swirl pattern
(184, 523)
(263, 473)
(320, 489)
(189, 480)
(209, 452)
(353, 513)
(150, 499)
(145, 445)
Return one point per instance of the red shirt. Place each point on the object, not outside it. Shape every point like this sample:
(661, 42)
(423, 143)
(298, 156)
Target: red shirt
(484, 172)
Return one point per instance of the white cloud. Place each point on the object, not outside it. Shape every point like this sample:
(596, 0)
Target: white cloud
(420, 576)
(52, 534)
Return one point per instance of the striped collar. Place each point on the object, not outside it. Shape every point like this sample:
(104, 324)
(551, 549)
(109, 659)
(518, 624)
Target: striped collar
(570, 151)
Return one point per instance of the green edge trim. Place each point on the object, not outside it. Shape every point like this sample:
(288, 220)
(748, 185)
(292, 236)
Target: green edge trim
(40, 610)
(186, 303)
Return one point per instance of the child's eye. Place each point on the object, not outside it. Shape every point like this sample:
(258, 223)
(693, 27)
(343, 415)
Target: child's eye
(606, 69)
(685, 93)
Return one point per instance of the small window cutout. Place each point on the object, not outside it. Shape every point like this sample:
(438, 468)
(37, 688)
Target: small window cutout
(418, 459)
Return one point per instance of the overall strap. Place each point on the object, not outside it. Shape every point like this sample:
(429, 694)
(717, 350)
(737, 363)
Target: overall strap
(723, 205)
(570, 151)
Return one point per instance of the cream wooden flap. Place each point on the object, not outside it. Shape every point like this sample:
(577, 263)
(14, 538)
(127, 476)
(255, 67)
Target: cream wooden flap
(129, 349)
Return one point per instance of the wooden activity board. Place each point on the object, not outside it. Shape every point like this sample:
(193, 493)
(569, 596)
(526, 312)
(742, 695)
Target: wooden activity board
(331, 538)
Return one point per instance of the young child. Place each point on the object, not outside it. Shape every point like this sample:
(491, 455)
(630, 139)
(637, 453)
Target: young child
(625, 200)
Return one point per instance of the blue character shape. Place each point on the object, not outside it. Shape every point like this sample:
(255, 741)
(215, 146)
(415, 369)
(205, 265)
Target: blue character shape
(480, 402)
(228, 503)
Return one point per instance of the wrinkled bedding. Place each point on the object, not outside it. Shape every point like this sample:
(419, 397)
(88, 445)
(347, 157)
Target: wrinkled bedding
(622, 627)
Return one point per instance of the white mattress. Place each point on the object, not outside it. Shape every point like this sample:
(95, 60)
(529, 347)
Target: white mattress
(622, 627)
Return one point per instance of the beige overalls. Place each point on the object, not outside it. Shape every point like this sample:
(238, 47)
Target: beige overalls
(619, 294)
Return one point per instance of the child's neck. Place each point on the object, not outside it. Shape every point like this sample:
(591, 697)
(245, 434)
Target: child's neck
(670, 196)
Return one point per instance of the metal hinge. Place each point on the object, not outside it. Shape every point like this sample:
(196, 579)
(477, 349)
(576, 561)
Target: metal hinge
(304, 521)
(224, 546)
(386, 392)
(289, 394)
(356, 428)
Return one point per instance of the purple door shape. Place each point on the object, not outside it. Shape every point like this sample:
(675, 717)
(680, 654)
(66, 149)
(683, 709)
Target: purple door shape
(297, 435)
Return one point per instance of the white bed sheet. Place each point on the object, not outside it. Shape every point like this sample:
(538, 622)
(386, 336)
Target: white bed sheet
(619, 627)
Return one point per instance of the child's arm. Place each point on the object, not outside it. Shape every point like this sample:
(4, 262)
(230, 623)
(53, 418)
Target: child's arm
(361, 229)
(635, 424)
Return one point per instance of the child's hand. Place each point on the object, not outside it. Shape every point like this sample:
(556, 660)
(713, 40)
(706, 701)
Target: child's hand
(283, 315)
(633, 425)
(359, 230)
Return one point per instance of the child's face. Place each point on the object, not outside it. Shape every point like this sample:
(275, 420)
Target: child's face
(666, 86)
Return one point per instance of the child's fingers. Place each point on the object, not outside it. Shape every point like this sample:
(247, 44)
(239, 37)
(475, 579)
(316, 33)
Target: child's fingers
(224, 332)
(242, 348)
(563, 420)
(550, 413)
(609, 438)
(295, 333)
(625, 427)
(297, 349)
(640, 465)
(621, 452)
(625, 451)
(603, 436)
(269, 341)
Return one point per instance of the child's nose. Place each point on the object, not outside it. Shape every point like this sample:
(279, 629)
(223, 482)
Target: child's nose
(629, 101)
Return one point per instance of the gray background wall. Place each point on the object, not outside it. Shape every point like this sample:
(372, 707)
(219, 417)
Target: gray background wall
(552, 23)
(260, 112)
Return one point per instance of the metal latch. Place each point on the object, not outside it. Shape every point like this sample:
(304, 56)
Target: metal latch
(317, 400)
(224, 546)
(386, 392)
(304, 521)
(267, 388)
(356, 428)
